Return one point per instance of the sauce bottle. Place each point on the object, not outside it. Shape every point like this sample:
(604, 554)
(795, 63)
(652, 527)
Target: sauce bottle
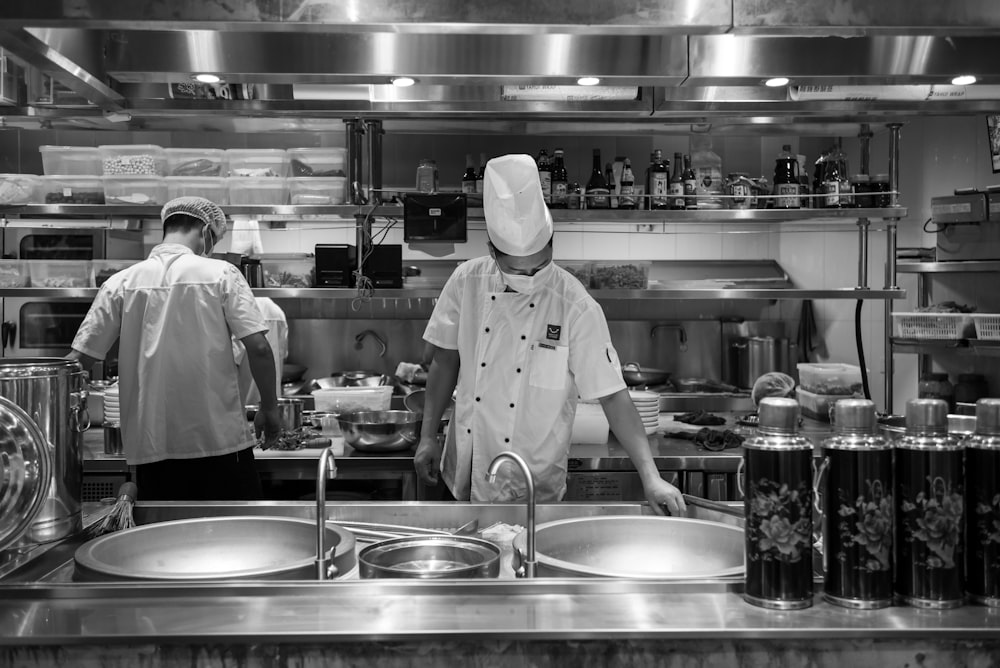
(597, 187)
(677, 184)
(659, 177)
(786, 179)
(690, 185)
(559, 181)
(545, 175)
(626, 196)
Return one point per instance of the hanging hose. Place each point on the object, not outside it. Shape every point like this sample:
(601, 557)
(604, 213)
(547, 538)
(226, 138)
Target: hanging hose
(861, 349)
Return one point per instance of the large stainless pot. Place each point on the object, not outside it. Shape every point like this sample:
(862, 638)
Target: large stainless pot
(51, 391)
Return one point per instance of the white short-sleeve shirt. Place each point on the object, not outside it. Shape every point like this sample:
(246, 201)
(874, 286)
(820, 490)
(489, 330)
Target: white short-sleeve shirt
(524, 360)
(175, 314)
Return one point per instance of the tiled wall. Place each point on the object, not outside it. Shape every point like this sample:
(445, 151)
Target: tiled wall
(938, 154)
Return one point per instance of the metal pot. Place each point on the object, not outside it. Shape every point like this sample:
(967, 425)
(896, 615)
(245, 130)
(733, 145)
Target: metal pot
(635, 375)
(754, 356)
(52, 391)
(253, 271)
(291, 413)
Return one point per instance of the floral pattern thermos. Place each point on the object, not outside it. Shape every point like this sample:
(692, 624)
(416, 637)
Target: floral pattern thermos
(982, 503)
(930, 506)
(854, 484)
(778, 509)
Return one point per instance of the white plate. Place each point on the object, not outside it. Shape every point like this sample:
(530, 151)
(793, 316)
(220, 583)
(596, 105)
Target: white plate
(644, 396)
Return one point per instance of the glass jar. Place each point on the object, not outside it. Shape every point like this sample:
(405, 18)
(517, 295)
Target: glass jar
(740, 191)
(880, 191)
(862, 187)
(573, 196)
(936, 386)
(427, 176)
(971, 387)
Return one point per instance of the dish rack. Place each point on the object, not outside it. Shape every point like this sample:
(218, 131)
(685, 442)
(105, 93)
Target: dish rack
(933, 325)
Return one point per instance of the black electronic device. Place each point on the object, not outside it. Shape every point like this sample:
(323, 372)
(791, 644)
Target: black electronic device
(335, 265)
(384, 266)
(442, 217)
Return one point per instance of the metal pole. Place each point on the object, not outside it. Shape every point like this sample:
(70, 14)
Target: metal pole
(355, 162)
(865, 135)
(375, 132)
(863, 227)
(890, 264)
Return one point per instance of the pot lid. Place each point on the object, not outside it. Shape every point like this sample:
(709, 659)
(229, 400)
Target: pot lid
(25, 471)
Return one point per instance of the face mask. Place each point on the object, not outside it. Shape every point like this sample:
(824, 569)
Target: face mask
(528, 284)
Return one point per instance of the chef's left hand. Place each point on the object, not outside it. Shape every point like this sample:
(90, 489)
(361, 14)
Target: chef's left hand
(661, 493)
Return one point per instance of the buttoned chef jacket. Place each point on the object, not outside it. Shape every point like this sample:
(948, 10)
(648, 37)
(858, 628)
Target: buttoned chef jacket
(175, 314)
(524, 360)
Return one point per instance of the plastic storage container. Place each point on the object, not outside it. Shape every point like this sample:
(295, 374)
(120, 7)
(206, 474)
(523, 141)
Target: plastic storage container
(71, 190)
(135, 190)
(264, 191)
(933, 325)
(317, 190)
(818, 406)
(17, 189)
(833, 378)
(317, 162)
(13, 274)
(133, 160)
(70, 160)
(213, 188)
(105, 269)
(61, 274)
(348, 399)
(289, 270)
(257, 162)
(582, 271)
(196, 162)
(620, 275)
(987, 326)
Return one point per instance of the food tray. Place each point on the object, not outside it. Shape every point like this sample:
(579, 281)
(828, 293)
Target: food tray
(581, 271)
(987, 326)
(135, 190)
(71, 190)
(105, 269)
(933, 325)
(317, 162)
(291, 270)
(212, 188)
(70, 160)
(818, 406)
(13, 274)
(133, 160)
(257, 163)
(17, 189)
(262, 191)
(832, 378)
(317, 190)
(196, 162)
(61, 274)
(620, 275)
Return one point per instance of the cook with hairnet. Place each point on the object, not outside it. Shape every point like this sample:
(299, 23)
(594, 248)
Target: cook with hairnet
(522, 339)
(183, 423)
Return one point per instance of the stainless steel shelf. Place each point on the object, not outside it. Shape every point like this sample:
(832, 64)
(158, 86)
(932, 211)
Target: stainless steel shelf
(926, 346)
(964, 267)
(431, 293)
(558, 215)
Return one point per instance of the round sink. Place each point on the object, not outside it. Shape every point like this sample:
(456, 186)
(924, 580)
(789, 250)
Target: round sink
(214, 548)
(662, 548)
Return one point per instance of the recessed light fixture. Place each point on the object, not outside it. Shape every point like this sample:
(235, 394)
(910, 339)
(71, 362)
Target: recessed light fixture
(776, 82)
(207, 78)
(588, 81)
(403, 82)
(963, 80)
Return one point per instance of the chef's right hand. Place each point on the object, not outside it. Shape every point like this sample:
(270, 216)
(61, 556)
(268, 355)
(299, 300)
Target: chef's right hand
(268, 423)
(427, 459)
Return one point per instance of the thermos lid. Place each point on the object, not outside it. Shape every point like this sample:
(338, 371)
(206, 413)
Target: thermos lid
(924, 415)
(778, 414)
(988, 417)
(854, 416)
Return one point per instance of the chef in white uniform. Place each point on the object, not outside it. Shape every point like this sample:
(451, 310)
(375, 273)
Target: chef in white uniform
(522, 339)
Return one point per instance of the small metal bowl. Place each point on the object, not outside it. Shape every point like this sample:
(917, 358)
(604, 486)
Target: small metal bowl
(381, 431)
(430, 558)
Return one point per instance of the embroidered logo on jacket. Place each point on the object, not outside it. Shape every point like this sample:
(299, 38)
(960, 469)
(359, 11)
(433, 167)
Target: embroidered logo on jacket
(553, 332)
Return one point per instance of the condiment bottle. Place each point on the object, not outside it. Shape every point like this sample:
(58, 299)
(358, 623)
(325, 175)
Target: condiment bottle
(545, 175)
(936, 386)
(930, 527)
(677, 184)
(626, 198)
(786, 179)
(659, 180)
(560, 184)
(598, 195)
(778, 509)
(982, 506)
(427, 176)
(854, 486)
(836, 180)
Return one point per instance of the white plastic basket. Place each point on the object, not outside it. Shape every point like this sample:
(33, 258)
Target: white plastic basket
(933, 325)
(987, 326)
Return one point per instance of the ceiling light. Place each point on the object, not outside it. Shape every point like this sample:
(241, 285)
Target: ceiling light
(403, 82)
(776, 82)
(963, 80)
(588, 81)
(207, 78)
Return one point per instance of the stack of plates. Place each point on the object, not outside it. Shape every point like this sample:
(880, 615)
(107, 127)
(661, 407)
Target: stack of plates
(648, 406)
(112, 407)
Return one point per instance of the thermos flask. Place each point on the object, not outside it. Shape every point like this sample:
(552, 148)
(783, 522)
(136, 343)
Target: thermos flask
(778, 508)
(982, 506)
(929, 487)
(854, 488)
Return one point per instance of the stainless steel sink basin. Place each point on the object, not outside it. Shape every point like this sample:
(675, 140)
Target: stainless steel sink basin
(213, 548)
(663, 548)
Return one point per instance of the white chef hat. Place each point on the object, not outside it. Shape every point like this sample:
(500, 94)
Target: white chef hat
(517, 219)
(204, 210)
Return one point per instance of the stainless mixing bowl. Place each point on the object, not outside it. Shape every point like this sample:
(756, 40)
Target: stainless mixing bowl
(381, 431)
(430, 558)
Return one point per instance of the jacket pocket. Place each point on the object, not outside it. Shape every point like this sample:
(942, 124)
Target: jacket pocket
(549, 366)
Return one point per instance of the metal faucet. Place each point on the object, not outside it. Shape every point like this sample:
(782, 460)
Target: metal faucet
(491, 475)
(681, 331)
(325, 568)
(360, 338)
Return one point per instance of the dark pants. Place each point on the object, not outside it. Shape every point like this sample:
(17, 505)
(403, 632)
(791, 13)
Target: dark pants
(231, 477)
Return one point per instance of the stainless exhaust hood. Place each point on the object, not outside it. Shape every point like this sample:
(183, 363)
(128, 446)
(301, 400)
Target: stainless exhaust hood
(315, 61)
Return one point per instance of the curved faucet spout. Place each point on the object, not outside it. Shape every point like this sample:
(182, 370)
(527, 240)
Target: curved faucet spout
(325, 567)
(491, 475)
(360, 338)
